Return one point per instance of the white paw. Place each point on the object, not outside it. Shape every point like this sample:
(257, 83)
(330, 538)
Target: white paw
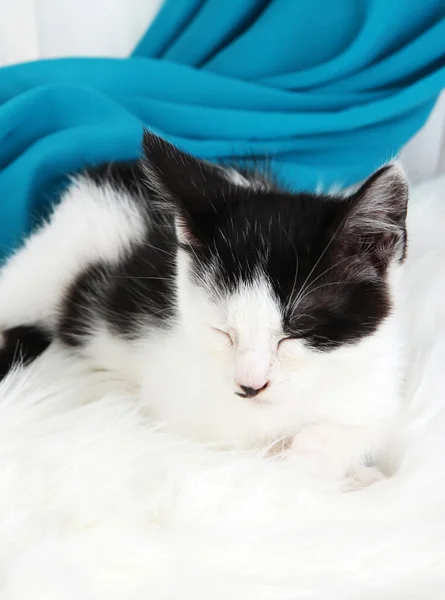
(318, 450)
(333, 452)
(361, 476)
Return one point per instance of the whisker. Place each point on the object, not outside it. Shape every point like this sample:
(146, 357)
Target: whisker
(158, 312)
(296, 269)
(319, 287)
(321, 275)
(148, 245)
(195, 255)
(307, 316)
(303, 287)
(137, 278)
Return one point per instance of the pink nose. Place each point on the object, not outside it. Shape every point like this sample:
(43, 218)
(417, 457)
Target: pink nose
(252, 371)
(251, 392)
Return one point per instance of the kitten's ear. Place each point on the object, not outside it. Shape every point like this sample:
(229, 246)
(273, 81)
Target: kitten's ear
(195, 191)
(376, 218)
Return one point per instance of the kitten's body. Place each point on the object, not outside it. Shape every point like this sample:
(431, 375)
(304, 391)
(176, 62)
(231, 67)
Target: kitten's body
(188, 286)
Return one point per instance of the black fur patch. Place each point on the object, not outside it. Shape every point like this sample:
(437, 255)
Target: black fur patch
(22, 345)
(137, 291)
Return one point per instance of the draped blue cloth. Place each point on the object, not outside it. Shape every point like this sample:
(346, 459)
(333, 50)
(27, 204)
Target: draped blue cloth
(324, 91)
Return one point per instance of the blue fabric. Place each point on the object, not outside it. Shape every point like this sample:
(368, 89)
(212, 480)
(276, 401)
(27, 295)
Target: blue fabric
(325, 90)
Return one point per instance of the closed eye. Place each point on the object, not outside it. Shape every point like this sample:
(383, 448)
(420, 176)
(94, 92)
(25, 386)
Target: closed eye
(224, 333)
(289, 338)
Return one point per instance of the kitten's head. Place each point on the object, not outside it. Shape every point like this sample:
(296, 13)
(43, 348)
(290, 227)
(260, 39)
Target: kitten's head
(273, 280)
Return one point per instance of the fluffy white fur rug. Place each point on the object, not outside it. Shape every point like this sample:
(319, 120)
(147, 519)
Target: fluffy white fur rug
(96, 504)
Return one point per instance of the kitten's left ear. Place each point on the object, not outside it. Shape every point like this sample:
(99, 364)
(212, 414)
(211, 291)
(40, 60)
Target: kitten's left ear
(376, 218)
(195, 191)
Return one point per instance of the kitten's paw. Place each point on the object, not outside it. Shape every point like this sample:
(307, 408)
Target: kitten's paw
(320, 450)
(361, 476)
(333, 452)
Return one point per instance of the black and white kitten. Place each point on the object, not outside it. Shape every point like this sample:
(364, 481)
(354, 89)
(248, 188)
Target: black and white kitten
(241, 312)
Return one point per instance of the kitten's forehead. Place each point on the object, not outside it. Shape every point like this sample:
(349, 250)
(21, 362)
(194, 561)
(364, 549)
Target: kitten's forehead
(253, 310)
(300, 214)
(276, 234)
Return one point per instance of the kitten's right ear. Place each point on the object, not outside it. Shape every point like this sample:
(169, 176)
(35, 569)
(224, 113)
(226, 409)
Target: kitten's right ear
(375, 224)
(198, 193)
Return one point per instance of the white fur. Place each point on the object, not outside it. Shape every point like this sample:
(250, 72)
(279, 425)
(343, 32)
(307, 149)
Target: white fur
(96, 504)
(90, 223)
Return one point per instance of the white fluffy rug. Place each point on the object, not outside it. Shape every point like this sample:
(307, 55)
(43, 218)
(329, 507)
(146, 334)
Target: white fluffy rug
(96, 504)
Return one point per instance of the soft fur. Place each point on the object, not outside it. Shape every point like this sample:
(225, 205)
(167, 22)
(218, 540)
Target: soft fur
(241, 313)
(96, 504)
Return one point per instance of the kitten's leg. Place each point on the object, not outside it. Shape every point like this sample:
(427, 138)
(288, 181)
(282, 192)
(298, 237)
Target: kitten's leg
(91, 223)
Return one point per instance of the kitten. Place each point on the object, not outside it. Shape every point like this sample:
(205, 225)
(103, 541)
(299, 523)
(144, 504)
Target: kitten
(243, 313)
